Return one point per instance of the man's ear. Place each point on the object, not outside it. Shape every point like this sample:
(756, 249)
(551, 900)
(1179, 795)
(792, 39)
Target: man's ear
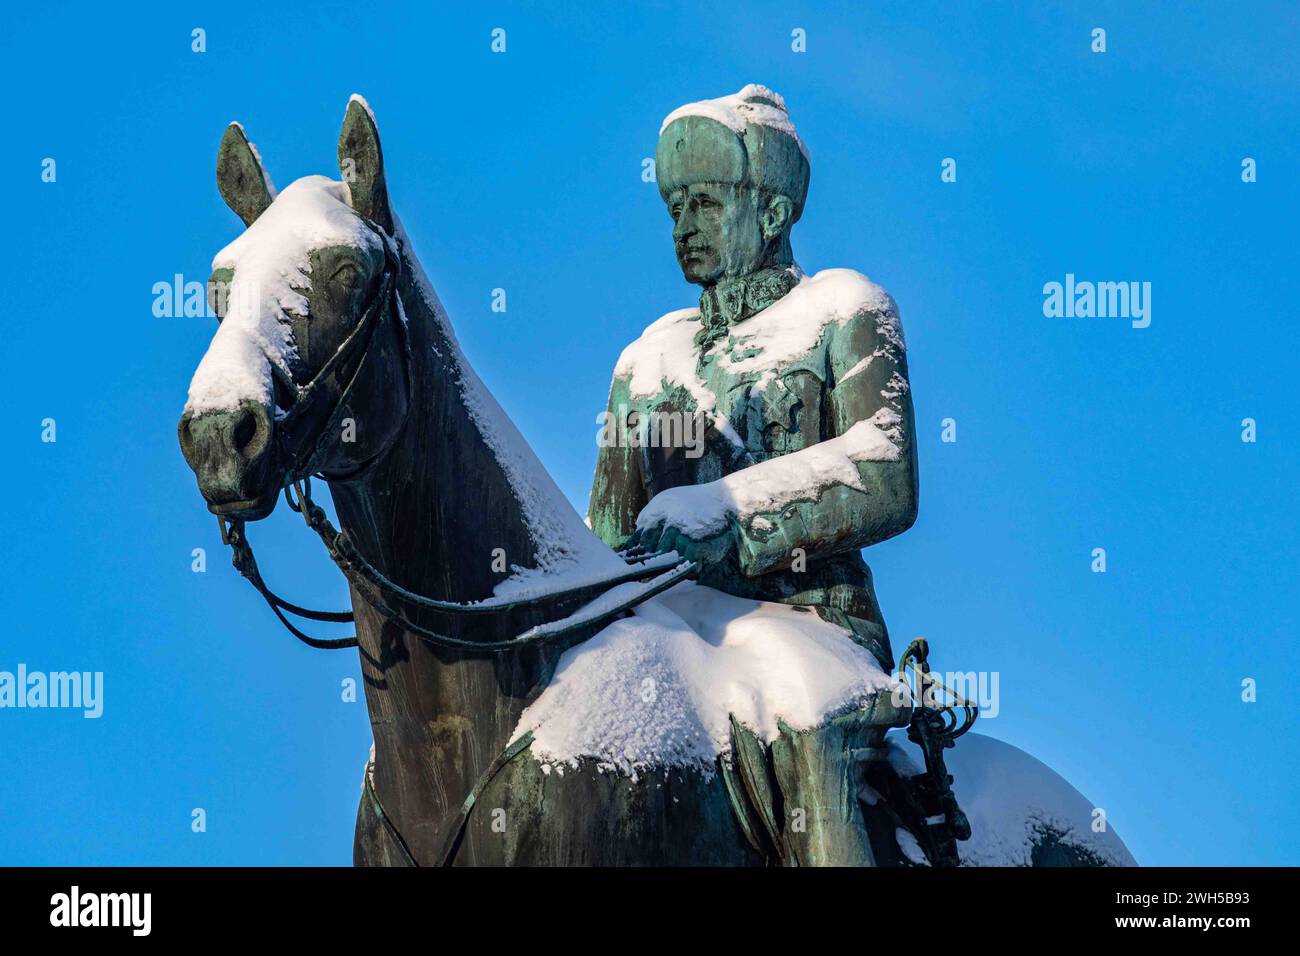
(241, 177)
(361, 161)
(776, 217)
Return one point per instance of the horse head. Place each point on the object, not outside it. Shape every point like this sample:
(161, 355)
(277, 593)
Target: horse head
(300, 375)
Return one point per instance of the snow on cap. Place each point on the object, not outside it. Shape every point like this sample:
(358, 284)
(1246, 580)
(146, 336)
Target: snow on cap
(754, 105)
(746, 137)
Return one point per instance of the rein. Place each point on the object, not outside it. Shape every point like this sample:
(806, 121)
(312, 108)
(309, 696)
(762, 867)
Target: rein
(657, 574)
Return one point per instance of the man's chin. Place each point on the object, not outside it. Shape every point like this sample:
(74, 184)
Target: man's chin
(247, 509)
(699, 276)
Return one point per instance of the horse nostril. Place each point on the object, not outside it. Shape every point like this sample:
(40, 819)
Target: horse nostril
(186, 437)
(228, 448)
(249, 432)
(244, 431)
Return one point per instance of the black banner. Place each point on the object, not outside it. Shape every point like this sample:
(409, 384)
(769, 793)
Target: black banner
(916, 906)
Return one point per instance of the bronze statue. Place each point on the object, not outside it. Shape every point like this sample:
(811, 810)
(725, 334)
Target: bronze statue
(490, 620)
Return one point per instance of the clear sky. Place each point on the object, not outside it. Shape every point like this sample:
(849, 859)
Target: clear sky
(522, 171)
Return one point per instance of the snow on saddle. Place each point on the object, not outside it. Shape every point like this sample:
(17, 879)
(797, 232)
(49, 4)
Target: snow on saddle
(782, 703)
(662, 688)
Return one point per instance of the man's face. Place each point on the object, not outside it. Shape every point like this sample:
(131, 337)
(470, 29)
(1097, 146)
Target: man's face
(716, 233)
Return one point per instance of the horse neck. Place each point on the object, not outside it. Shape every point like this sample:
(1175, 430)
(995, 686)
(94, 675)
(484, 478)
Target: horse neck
(430, 514)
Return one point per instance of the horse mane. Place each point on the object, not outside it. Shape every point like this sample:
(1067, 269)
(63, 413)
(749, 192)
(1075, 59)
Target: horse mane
(564, 549)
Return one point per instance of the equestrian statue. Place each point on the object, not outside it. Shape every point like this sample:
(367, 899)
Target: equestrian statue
(699, 673)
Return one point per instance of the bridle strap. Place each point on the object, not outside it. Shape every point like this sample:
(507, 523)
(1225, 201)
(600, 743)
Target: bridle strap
(232, 533)
(301, 454)
(372, 584)
(456, 824)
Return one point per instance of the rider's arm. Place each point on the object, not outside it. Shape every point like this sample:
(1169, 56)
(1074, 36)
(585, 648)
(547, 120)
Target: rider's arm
(846, 492)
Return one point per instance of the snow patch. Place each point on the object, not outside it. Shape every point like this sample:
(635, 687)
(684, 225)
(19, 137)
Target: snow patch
(655, 689)
(1009, 796)
(735, 112)
(272, 270)
(911, 849)
(769, 486)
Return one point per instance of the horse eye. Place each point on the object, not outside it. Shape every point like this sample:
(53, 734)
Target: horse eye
(346, 275)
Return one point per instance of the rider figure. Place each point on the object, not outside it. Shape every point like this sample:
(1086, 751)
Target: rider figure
(798, 385)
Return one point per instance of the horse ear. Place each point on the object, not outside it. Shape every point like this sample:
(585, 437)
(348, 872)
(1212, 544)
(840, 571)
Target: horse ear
(241, 177)
(361, 161)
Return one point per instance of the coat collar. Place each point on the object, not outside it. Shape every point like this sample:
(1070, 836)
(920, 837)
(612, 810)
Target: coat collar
(736, 299)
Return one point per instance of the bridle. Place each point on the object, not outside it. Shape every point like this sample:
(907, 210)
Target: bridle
(658, 571)
(293, 429)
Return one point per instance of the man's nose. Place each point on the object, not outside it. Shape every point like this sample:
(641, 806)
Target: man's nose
(685, 227)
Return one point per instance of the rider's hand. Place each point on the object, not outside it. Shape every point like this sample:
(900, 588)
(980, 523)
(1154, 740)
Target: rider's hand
(661, 534)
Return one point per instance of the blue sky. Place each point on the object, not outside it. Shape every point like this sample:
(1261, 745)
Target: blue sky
(522, 171)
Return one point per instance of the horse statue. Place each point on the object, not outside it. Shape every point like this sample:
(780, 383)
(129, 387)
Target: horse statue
(536, 697)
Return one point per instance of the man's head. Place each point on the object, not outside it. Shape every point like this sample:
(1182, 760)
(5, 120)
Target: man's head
(734, 176)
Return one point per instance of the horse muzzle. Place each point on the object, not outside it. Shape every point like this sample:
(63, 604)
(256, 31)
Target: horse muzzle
(232, 454)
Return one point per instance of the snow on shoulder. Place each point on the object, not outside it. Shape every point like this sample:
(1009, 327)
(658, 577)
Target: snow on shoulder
(795, 324)
(766, 342)
(663, 354)
(655, 689)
